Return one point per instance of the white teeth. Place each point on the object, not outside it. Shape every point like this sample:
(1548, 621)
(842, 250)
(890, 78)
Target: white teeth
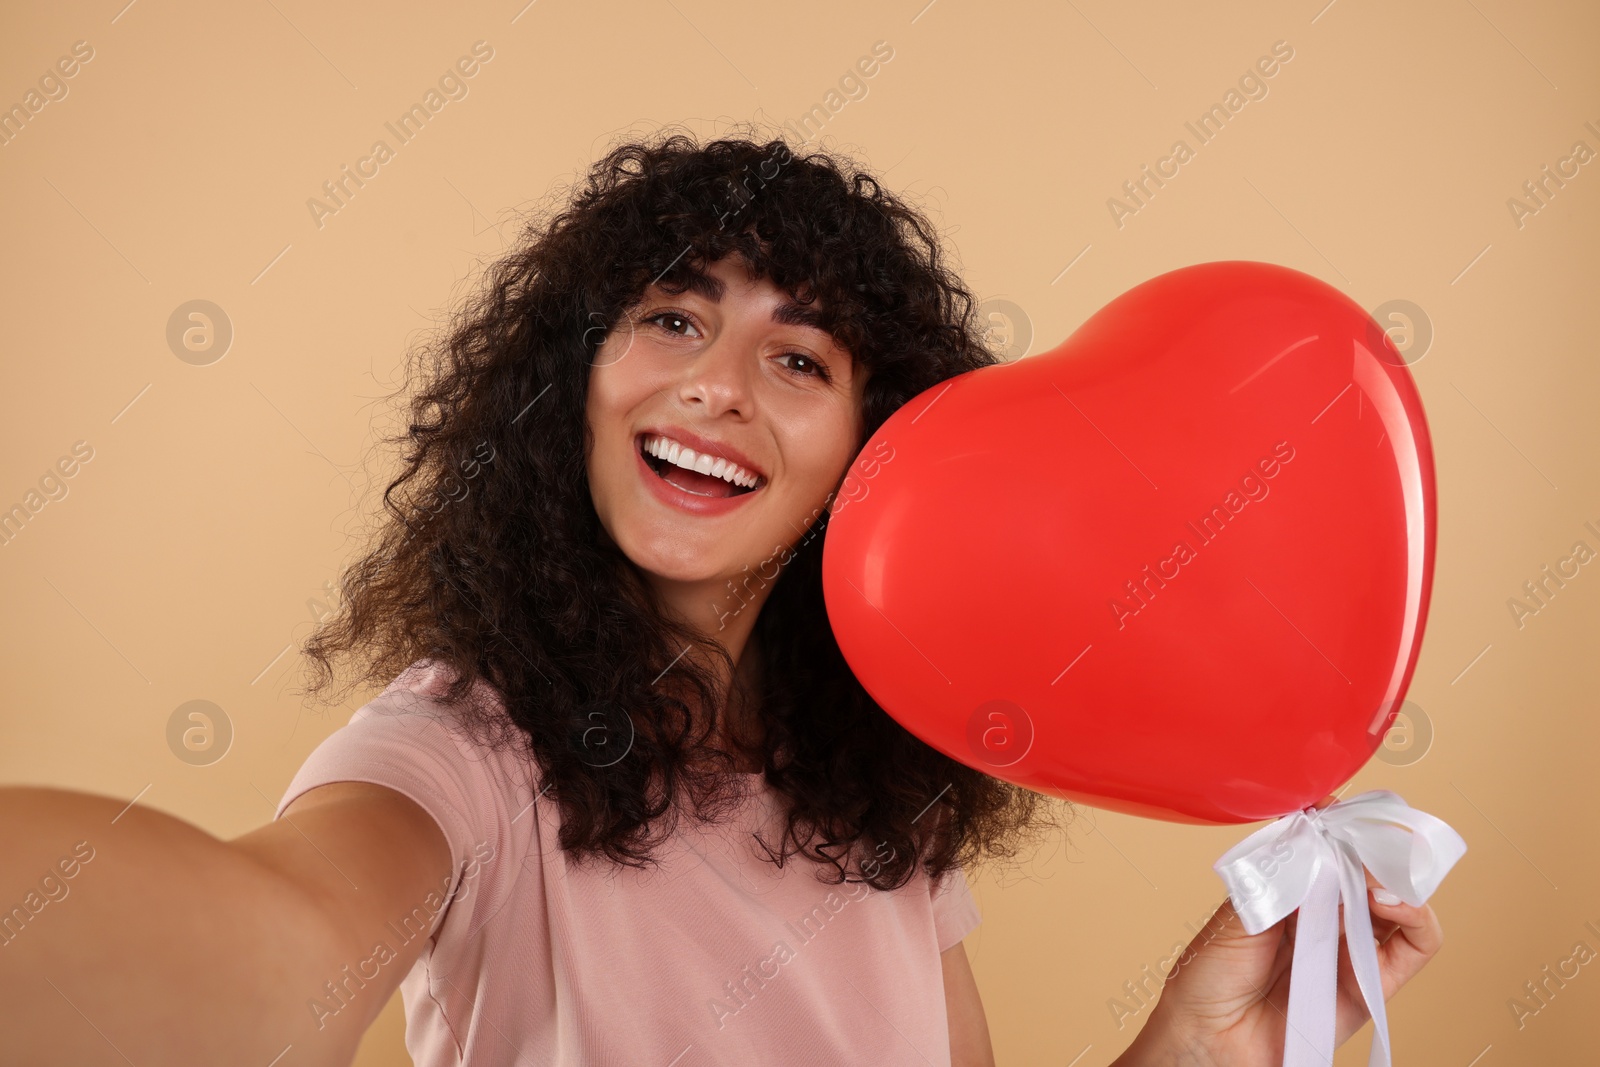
(687, 458)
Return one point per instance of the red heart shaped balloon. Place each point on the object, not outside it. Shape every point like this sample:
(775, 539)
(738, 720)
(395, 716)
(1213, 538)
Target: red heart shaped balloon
(1178, 566)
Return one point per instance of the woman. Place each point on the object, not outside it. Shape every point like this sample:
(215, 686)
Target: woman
(622, 800)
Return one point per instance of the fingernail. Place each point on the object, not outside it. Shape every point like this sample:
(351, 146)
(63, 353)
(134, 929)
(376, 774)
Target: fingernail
(1383, 896)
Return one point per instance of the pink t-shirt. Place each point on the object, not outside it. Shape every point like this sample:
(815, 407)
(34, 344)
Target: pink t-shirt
(717, 957)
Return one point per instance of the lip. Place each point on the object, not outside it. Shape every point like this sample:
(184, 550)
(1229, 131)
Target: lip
(683, 500)
(703, 445)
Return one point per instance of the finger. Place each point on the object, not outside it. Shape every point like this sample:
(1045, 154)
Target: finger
(1383, 926)
(1416, 938)
(1282, 962)
(1399, 957)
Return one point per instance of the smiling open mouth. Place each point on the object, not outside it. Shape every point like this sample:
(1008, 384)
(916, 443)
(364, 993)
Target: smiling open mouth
(707, 477)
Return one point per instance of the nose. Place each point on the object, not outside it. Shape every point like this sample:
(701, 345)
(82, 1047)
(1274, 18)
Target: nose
(717, 380)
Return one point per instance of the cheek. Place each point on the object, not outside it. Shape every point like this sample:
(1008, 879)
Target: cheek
(823, 474)
(594, 416)
(608, 400)
(817, 472)
(604, 414)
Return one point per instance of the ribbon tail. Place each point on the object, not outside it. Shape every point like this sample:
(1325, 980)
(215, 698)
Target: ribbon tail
(1308, 1039)
(1358, 939)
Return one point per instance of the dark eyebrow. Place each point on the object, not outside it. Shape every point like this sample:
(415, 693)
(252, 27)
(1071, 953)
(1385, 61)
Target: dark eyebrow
(704, 284)
(793, 314)
(788, 314)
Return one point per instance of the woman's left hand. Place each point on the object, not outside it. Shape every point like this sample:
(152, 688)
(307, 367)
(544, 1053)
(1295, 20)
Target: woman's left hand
(1227, 999)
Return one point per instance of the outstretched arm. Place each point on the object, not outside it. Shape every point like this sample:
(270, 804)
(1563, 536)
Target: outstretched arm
(165, 944)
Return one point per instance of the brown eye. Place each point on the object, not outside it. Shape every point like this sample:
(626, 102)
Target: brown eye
(674, 318)
(814, 368)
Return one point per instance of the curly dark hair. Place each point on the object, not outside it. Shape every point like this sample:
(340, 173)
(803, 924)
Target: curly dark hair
(491, 558)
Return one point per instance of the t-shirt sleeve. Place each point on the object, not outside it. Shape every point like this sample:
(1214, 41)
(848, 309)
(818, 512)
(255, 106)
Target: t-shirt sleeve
(955, 912)
(409, 743)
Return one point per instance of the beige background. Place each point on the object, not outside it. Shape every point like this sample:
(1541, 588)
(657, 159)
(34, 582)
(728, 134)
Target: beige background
(191, 553)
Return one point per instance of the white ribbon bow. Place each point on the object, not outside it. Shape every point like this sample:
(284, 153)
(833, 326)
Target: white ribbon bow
(1311, 859)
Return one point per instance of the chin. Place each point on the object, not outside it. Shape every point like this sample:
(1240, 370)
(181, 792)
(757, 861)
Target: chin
(672, 566)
